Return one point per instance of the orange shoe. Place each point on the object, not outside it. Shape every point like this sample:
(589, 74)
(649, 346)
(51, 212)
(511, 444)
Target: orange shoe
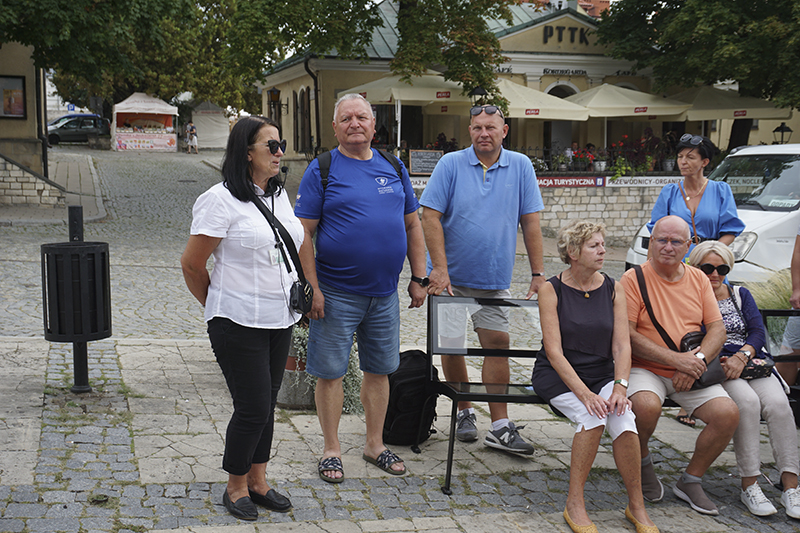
(591, 528)
(640, 528)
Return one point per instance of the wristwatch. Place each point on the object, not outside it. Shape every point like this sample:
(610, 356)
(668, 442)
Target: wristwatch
(623, 382)
(422, 281)
(537, 274)
(701, 355)
(746, 353)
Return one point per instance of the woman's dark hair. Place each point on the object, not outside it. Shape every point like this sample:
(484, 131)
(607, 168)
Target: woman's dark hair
(236, 173)
(706, 148)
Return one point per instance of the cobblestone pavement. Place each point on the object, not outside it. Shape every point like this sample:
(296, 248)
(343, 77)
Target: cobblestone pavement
(142, 451)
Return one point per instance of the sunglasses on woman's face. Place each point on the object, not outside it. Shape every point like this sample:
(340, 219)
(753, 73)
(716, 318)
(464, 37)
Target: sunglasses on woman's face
(708, 268)
(273, 146)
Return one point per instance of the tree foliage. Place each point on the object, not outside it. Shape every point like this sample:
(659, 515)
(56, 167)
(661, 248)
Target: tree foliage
(219, 49)
(452, 35)
(216, 49)
(686, 42)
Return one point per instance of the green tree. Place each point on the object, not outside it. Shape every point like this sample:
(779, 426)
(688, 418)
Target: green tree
(453, 35)
(215, 49)
(687, 42)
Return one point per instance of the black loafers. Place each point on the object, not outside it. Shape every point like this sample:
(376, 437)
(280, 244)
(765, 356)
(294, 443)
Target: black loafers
(272, 501)
(242, 508)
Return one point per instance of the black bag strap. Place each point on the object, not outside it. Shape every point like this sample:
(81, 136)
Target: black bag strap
(646, 298)
(324, 161)
(285, 238)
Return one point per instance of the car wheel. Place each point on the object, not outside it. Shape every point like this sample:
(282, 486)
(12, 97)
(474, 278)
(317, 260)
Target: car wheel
(53, 139)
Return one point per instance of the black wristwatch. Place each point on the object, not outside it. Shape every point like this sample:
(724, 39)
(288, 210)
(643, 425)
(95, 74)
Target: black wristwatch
(422, 281)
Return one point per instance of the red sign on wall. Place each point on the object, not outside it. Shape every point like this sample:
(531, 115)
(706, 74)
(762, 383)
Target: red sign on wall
(741, 113)
(443, 94)
(640, 110)
(531, 111)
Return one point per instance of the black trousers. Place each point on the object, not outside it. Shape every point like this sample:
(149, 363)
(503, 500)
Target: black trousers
(252, 361)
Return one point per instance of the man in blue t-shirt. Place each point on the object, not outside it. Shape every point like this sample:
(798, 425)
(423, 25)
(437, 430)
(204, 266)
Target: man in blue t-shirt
(472, 205)
(366, 224)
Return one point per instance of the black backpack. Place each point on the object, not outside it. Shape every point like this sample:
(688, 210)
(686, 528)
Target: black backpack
(411, 410)
(324, 161)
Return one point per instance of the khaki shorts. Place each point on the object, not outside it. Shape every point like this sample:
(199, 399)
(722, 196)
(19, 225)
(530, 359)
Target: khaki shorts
(453, 318)
(644, 380)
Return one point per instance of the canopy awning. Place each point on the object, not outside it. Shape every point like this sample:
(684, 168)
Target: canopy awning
(612, 101)
(423, 90)
(524, 102)
(142, 103)
(710, 103)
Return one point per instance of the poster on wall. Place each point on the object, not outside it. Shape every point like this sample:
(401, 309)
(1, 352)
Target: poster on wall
(153, 142)
(12, 89)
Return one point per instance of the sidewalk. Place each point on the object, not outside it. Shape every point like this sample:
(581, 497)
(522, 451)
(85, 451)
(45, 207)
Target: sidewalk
(142, 452)
(153, 448)
(77, 174)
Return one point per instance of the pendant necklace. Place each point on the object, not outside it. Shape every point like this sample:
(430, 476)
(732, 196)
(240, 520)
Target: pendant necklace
(685, 191)
(585, 291)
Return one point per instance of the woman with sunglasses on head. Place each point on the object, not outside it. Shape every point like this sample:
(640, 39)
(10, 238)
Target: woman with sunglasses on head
(246, 300)
(707, 206)
(756, 398)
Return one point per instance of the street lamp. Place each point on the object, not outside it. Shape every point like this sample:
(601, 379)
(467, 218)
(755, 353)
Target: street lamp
(274, 97)
(477, 94)
(783, 129)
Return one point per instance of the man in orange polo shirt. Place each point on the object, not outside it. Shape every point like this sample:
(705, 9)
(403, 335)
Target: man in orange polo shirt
(682, 301)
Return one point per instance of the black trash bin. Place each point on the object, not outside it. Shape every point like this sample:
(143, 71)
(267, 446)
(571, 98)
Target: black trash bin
(77, 299)
(77, 291)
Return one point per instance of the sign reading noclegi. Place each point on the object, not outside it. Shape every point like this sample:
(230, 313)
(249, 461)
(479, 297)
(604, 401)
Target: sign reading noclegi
(589, 181)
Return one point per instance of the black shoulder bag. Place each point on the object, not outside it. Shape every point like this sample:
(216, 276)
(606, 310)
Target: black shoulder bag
(301, 294)
(714, 373)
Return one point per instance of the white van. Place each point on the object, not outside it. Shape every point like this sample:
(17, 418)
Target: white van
(765, 181)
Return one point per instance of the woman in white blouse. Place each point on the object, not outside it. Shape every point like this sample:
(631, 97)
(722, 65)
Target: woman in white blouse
(246, 299)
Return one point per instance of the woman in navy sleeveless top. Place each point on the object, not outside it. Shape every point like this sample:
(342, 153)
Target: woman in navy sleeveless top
(584, 368)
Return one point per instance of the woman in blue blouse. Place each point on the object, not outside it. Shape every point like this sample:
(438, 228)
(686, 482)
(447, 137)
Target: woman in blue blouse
(707, 206)
(756, 398)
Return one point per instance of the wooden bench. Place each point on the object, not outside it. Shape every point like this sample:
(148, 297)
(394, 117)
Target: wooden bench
(451, 313)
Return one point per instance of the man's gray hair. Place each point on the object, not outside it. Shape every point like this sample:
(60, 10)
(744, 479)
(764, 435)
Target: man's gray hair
(351, 96)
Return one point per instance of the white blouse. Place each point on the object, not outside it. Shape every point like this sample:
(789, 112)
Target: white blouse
(249, 283)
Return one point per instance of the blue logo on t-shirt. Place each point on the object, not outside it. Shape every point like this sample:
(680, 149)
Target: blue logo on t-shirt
(382, 181)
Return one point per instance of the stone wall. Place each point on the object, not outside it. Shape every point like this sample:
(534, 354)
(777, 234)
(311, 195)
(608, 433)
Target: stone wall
(19, 186)
(622, 209)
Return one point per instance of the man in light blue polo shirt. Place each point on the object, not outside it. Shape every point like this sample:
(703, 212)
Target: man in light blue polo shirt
(474, 202)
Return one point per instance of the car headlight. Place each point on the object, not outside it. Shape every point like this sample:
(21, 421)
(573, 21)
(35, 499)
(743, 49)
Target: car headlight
(742, 245)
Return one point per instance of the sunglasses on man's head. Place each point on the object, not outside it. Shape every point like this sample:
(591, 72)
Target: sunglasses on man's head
(273, 145)
(694, 140)
(708, 268)
(490, 110)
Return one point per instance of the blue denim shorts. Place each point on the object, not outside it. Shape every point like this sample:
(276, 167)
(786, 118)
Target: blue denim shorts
(376, 323)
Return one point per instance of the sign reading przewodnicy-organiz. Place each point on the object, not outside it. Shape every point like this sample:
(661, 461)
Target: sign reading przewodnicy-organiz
(605, 181)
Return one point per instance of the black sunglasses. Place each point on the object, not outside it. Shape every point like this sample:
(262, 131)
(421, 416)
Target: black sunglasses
(694, 140)
(273, 146)
(708, 268)
(490, 110)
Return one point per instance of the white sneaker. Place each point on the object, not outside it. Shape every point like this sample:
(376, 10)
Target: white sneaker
(757, 503)
(791, 500)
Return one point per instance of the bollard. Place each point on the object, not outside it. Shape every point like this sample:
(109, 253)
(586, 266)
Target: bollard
(76, 292)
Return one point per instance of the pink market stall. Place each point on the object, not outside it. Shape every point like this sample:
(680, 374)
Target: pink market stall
(142, 122)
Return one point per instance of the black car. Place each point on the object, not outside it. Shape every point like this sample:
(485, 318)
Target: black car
(77, 129)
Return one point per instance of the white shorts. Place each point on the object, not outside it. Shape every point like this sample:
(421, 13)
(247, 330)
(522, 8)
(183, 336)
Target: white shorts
(574, 409)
